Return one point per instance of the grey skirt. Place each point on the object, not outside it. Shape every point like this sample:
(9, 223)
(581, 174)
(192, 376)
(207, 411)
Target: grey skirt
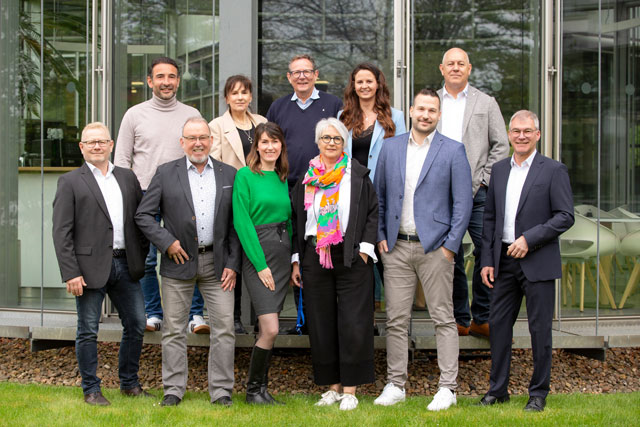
(276, 245)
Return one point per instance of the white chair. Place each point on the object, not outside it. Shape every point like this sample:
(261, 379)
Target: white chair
(629, 234)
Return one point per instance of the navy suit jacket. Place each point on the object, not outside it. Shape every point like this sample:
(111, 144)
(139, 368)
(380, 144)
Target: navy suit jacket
(442, 201)
(544, 212)
(170, 193)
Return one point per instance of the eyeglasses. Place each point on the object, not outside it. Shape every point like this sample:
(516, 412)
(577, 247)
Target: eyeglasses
(201, 138)
(526, 132)
(101, 142)
(326, 139)
(298, 73)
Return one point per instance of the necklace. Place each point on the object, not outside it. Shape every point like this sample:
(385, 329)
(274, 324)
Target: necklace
(367, 119)
(248, 133)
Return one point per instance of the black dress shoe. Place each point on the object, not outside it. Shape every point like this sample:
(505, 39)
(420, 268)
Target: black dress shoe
(535, 404)
(488, 400)
(239, 327)
(96, 399)
(170, 400)
(223, 401)
(135, 392)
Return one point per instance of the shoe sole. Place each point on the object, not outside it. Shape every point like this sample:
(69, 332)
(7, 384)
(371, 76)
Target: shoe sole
(203, 329)
(151, 328)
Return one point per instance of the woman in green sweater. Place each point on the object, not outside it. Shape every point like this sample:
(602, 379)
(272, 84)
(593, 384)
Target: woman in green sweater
(262, 219)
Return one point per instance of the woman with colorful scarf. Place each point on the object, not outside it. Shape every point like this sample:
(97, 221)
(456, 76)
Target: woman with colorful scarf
(335, 221)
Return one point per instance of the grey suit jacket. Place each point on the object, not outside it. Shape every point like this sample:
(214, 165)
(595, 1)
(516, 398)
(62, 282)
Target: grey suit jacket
(484, 135)
(170, 193)
(82, 228)
(227, 145)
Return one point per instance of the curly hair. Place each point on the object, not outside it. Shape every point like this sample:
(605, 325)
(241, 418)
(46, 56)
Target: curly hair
(352, 115)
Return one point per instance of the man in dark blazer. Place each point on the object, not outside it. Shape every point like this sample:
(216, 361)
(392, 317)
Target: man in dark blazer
(529, 204)
(101, 251)
(199, 246)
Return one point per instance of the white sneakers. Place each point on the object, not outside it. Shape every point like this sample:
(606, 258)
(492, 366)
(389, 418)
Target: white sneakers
(347, 401)
(390, 395)
(198, 325)
(153, 324)
(443, 399)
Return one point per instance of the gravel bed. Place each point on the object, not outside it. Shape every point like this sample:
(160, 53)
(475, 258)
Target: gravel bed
(291, 370)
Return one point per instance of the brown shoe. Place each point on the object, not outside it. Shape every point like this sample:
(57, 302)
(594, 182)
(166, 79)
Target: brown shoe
(463, 331)
(479, 330)
(96, 399)
(135, 392)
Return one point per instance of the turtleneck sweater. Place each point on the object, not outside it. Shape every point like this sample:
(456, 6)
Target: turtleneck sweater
(149, 136)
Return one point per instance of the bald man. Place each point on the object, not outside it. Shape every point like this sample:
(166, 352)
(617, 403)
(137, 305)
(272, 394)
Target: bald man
(473, 118)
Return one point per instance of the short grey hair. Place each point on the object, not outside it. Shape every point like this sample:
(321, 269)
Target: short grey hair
(196, 119)
(95, 125)
(334, 123)
(526, 114)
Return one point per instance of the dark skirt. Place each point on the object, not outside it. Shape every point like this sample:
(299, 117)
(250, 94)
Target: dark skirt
(276, 245)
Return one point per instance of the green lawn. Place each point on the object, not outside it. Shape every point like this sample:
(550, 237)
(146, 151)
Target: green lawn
(40, 405)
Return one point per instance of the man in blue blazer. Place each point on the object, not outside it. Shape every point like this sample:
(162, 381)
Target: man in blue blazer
(423, 181)
(529, 204)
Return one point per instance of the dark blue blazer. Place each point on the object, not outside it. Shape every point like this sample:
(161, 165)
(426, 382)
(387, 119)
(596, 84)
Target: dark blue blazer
(544, 212)
(442, 200)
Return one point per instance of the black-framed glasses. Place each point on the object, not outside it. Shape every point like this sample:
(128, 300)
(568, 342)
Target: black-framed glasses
(526, 132)
(101, 142)
(298, 73)
(326, 139)
(201, 138)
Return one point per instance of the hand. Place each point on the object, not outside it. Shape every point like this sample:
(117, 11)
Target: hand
(75, 285)
(228, 279)
(448, 254)
(487, 276)
(364, 257)
(176, 253)
(382, 246)
(519, 248)
(296, 279)
(267, 279)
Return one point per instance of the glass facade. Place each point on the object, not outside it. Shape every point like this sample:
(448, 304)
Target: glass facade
(66, 64)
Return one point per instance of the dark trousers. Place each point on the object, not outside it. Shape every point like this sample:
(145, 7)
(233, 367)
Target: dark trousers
(340, 310)
(126, 296)
(481, 293)
(510, 286)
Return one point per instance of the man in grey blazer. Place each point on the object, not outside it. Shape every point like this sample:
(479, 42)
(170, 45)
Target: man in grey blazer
(423, 181)
(473, 118)
(199, 246)
(100, 251)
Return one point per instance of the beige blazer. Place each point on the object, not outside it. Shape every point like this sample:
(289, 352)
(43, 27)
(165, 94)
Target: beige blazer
(227, 145)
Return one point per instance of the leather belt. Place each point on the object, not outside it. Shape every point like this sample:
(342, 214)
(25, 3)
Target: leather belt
(119, 253)
(408, 237)
(203, 249)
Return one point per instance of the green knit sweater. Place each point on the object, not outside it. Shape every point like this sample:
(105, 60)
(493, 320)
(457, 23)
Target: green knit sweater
(258, 199)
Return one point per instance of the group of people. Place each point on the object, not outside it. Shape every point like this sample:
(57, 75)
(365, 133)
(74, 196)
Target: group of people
(313, 196)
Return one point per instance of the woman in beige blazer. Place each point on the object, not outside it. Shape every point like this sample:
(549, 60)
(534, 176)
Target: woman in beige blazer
(234, 132)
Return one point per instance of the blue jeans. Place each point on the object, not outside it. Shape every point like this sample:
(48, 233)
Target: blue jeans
(481, 293)
(151, 288)
(126, 296)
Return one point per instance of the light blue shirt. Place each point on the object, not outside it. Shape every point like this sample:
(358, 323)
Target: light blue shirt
(304, 105)
(203, 193)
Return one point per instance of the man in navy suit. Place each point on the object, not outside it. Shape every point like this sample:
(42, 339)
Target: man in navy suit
(423, 181)
(529, 204)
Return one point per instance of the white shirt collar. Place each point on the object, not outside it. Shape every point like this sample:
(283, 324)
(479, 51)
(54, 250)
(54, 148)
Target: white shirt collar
(526, 162)
(190, 165)
(93, 169)
(464, 92)
(314, 95)
(429, 138)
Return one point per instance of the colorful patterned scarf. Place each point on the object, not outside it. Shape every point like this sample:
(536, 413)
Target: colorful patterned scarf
(328, 221)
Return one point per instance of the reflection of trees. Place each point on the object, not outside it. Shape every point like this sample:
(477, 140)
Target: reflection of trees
(30, 56)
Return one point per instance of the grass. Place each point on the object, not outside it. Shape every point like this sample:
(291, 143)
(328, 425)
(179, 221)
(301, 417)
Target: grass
(38, 405)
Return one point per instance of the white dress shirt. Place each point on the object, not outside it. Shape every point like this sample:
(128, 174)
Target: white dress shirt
(304, 105)
(416, 155)
(517, 177)
(203, 193)
(113, 198)
(453, 113)
(344, 208)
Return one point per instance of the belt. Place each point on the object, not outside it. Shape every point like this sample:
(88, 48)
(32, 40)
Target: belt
(408, 237)
(203, 249)
(119, 253)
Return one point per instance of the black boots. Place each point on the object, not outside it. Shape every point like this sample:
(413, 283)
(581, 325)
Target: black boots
(259, 378)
